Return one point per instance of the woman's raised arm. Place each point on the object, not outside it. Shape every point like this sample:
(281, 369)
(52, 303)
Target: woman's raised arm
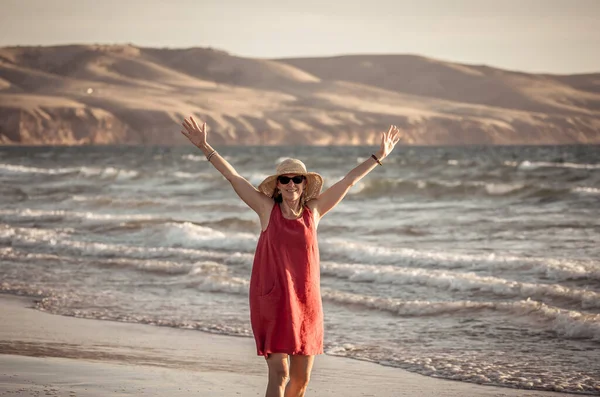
(260, 203)
(332, 196)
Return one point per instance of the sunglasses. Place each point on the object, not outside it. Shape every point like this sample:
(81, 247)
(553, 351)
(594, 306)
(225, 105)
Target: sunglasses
(284, 180)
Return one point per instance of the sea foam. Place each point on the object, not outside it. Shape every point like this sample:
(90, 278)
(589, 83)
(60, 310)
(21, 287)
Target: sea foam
(458, 281)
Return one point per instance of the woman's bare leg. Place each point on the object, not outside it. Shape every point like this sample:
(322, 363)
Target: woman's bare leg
(300, 369)
(279, 374)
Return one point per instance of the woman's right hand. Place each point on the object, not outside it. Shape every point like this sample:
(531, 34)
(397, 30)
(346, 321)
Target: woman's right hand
(196, 134)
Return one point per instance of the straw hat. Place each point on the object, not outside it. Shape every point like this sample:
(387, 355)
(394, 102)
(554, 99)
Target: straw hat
(314, 181)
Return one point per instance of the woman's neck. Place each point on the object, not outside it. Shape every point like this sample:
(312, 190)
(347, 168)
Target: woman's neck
(291, 209)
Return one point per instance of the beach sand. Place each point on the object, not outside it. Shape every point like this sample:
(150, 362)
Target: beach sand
(50, 355)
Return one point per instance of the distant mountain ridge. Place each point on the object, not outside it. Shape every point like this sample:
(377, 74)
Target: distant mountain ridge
(122, 94)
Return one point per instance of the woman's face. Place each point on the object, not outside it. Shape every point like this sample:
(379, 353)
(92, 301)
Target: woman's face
(291, 189)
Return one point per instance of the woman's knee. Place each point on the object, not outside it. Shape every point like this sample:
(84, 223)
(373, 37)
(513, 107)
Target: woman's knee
(279, 374)
(278, 368)
(300, 380)
(301, 368)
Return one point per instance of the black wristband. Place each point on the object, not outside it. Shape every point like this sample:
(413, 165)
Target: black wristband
(376, 159)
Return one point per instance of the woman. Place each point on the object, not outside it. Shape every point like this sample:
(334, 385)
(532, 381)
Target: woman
(285, 301)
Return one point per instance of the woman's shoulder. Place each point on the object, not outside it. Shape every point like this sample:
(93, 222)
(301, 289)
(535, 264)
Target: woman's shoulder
(311, 205)
(266, 215)
(312, 211)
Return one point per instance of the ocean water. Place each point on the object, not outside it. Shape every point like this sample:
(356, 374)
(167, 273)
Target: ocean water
(479, 264)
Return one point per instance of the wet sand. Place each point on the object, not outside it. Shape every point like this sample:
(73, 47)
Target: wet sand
(48, 355)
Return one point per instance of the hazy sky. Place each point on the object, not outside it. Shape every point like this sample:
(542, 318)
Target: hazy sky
(557, 36)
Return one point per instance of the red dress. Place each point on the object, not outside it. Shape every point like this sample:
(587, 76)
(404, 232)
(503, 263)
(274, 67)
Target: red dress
(285, 297)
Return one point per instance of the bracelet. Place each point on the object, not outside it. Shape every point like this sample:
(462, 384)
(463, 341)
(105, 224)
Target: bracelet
(210, 155)
(376, 159)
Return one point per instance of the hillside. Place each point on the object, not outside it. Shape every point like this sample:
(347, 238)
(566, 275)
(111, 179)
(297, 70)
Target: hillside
(112, 94)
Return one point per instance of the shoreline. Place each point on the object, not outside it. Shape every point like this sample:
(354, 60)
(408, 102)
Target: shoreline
(47, 353)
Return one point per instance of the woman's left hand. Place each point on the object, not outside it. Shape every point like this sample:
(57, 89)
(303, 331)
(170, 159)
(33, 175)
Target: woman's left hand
(388, 142)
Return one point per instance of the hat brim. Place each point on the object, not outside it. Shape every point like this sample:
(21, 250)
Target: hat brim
(314, 184)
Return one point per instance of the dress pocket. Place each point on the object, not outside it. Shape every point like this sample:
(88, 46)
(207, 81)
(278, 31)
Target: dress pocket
(270, 291)
(270, 303)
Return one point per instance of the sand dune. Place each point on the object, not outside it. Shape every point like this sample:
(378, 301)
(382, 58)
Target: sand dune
(223, 68)
(110, 94)
(462, 83)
